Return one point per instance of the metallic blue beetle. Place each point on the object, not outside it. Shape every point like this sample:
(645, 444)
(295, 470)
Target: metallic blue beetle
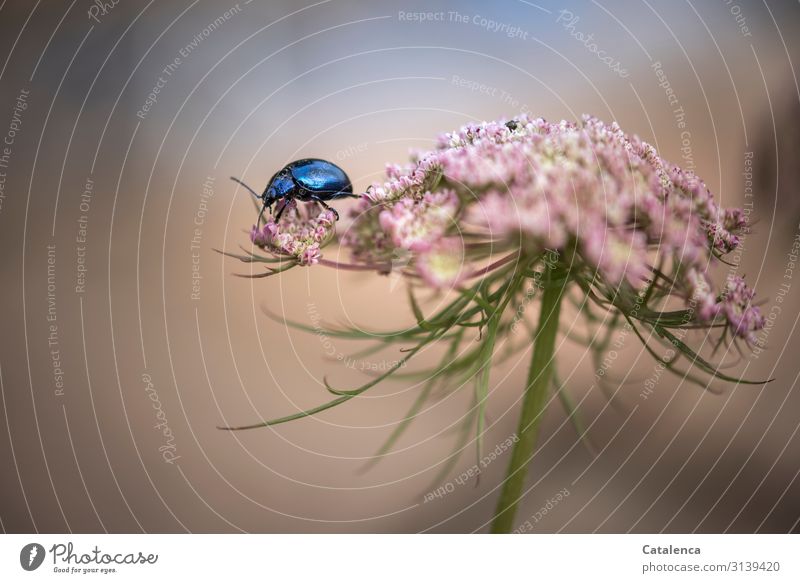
(308, 180)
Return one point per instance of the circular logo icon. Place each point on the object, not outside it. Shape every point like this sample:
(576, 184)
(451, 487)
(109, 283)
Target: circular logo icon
(31, 556)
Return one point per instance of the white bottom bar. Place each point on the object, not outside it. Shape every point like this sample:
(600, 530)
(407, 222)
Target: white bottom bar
(371, 558)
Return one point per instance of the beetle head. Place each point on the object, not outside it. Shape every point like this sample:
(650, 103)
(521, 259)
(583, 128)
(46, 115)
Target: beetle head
(281, 186)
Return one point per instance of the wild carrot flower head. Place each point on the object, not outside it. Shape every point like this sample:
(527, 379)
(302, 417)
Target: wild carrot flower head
(299, 236)
(603, 198)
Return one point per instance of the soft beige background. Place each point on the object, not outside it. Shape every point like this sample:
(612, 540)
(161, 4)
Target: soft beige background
(353, 83)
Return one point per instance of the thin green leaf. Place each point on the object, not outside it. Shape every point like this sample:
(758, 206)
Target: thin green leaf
(389, 372)
(572, 413)
(417, 405)
(421, 322)
(300, 415)
(401, 427)
(348, 334)
(461, 444)
(251, 258)
(702, 363)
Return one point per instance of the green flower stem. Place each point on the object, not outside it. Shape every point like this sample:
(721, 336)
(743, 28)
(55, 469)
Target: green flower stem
(536, 390)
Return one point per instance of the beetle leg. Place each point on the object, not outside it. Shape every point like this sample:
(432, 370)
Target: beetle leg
(341, 194)
(325, 206)
(280, 210)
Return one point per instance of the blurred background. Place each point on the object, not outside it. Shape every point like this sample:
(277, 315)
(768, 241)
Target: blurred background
(126, 340)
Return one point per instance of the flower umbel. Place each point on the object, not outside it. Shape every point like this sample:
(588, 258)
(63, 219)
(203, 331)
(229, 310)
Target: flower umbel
(299, 236)
(502, 212)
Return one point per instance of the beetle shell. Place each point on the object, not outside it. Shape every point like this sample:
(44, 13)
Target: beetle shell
(319, 177)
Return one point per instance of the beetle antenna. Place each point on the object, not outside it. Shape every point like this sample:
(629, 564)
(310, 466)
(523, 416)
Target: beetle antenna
(253, 192)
